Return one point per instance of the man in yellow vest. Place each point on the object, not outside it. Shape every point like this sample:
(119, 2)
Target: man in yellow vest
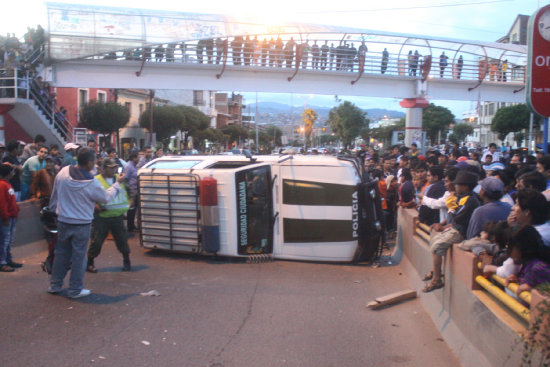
(110, 217)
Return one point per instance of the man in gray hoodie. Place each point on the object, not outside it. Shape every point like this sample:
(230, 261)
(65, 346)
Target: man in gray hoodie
(73, 199)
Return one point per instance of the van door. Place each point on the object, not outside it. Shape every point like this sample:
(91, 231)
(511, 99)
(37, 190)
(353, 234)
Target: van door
(318, 211)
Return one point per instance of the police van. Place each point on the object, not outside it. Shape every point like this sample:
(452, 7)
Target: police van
(315, 208)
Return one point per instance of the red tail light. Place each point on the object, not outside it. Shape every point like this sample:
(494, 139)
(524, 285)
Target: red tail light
(209, 191)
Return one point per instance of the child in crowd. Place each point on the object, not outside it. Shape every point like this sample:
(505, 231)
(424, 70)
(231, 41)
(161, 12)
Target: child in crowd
(527, 251)
(497, 235)
(8, 214)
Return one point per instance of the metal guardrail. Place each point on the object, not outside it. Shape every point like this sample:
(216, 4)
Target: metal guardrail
(512, 303)
(259, 54)
(16, 83)
(423, 231)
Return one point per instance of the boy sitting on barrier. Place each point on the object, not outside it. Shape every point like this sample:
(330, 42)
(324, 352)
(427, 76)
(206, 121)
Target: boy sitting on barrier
(444, 234)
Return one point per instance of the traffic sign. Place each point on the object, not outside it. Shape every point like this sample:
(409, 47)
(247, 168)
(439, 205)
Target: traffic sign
(538, 62)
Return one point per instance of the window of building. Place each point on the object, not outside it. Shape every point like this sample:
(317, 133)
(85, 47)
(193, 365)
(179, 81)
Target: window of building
(128, 106)
(491, 109)
(82, 97)
(140, 108)
(198, 98)
(101, 97)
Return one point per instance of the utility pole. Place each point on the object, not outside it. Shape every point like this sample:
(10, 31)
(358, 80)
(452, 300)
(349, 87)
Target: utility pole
(256, 123)
(151, 100)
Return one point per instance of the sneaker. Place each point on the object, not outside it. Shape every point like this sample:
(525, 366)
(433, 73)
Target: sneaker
(6, 268)
(52, 290)
(83, 293)
(13, 264)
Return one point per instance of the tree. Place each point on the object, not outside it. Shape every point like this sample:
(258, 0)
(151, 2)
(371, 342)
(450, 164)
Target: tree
(461, 131)
(347, 121)
(309, 116)
(105, 118)
(511, 119)
(194, 122)
(274, 134)
(383, 134)
(210, 134)
(167, 120)
(519, 137)
(436, 119)
(235, 132)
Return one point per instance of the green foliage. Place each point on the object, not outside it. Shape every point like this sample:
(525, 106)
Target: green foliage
(538, 338)
(328, 139)
(512, 119)
(519, 137)
(436, 119)
(383, 134)
(273, 133)
(235, 132)
(167, 120)
(194, 123)
(461, 131)
(210, 134)
(347, 121)
(104, 118)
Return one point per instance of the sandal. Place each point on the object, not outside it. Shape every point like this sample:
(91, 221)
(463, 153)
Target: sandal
(433, 286)
(428, 276)
(91, 269)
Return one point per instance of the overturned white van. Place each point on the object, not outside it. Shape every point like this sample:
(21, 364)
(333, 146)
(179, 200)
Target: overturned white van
(316, 208)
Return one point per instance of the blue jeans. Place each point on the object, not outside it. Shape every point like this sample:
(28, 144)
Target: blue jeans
(70, 250)
(7, 235)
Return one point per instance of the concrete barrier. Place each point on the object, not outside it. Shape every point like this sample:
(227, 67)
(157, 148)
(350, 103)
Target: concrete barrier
(29, 235)
(478, 330)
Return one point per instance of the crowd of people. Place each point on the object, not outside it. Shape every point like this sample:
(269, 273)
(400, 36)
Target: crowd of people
(491, 202)
(91, 194)
(293, 53)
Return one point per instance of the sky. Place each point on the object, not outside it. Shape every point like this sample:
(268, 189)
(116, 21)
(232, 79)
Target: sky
(481, 20)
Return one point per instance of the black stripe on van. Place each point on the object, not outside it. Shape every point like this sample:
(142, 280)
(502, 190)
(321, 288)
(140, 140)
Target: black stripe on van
(317, 230)
(316, 193)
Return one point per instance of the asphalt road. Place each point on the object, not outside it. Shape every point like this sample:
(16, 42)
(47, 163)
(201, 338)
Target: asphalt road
(214, 314)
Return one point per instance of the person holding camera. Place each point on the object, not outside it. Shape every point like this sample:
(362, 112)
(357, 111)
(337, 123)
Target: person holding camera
(109, 216)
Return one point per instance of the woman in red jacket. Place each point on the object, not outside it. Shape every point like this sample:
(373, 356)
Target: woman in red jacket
(8, 214)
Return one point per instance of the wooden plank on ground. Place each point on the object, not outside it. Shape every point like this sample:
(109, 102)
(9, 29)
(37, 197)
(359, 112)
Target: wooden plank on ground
(392, 298)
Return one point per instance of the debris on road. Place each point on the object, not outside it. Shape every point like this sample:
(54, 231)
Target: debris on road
(152, 293)
(392, 298)
(145, 342)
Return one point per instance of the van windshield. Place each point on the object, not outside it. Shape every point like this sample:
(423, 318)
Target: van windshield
(254, 211)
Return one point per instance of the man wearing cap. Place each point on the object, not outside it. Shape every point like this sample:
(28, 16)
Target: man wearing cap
(460, 208)
(492, 190)
(110, 217)
(69, 157)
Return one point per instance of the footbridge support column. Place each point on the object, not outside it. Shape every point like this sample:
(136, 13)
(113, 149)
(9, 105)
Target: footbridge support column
(413, 120)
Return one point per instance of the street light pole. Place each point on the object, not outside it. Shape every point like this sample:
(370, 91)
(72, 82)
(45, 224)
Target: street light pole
(256, 123)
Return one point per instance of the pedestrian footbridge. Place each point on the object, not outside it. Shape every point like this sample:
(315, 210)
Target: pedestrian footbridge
(100, 47)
